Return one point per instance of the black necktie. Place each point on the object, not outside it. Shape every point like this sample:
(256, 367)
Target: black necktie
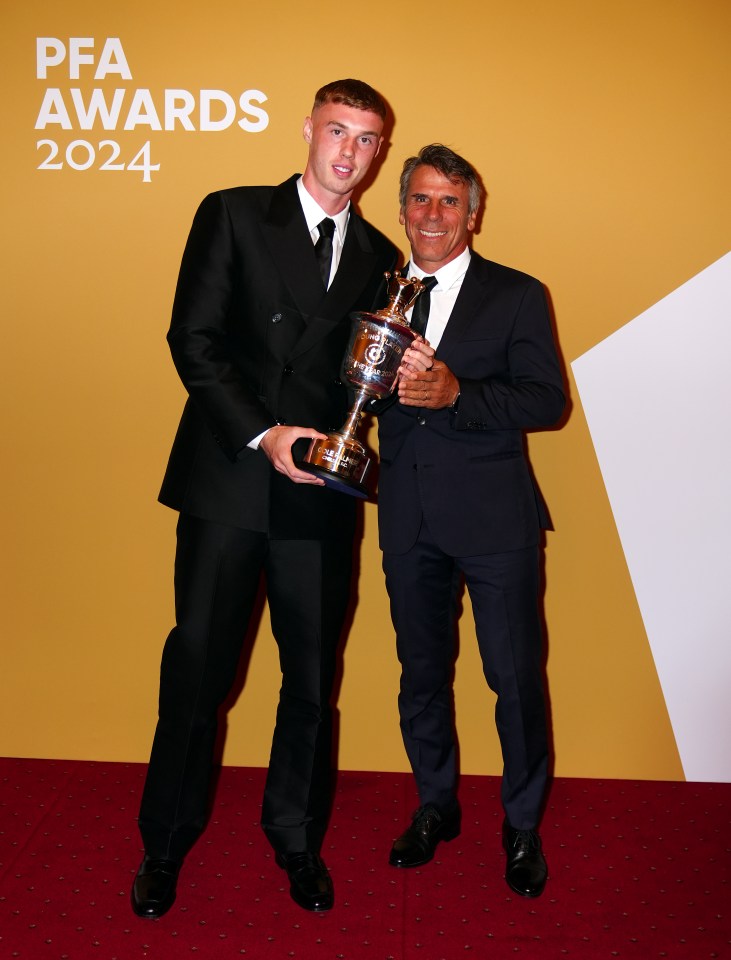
(420, 313)
(324, 248)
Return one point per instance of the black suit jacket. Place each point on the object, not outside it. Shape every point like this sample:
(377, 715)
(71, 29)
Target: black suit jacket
(257, 341)
(466, 469)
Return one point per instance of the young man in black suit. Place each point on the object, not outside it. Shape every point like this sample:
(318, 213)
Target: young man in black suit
(456, 499)
(259, 328)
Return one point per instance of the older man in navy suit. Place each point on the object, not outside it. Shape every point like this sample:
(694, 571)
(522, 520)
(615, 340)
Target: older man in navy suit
(259, 327)
(457, 500)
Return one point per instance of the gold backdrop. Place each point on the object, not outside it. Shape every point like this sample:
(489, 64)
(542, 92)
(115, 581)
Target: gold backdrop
(602, 135)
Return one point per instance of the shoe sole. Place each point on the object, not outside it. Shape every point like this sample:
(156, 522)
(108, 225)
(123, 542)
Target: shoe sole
(310, 909)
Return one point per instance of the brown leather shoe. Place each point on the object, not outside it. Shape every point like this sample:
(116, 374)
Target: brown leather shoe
(526, 871)
(417, 843)
(153, 892)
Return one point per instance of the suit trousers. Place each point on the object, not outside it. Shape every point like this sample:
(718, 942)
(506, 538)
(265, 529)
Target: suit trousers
(423, 586)
(218, 570)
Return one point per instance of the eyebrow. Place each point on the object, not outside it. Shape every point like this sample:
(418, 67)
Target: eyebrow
(345, 126)
(446, 196)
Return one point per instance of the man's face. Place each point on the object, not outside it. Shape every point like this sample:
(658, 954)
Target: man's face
(436, 217)
(343, 142)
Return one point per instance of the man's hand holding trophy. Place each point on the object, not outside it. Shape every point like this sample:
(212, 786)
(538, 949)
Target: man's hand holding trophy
(377, 344)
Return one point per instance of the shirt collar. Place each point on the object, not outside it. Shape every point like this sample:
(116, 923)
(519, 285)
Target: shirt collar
(314, 213)
(447, 275)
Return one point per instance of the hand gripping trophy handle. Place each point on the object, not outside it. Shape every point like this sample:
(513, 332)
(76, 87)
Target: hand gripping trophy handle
(377, 344)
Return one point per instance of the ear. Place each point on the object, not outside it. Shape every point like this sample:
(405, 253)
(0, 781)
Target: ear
(307, 130)
(401, 217)
(471, 221)
(378, 148)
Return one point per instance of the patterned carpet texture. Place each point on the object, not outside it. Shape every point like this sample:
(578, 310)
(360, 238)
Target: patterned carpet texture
(637, 870)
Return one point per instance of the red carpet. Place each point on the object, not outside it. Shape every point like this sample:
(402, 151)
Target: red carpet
(637, 869)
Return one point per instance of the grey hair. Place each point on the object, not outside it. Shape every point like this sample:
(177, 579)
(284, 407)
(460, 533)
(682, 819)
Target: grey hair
(450, 165)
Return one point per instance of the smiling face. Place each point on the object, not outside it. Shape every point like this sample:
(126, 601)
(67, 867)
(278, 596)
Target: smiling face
(437, 218)
(343, 143)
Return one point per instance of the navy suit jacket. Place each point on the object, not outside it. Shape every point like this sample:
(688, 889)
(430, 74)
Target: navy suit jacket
(466, 470)
(258, 341)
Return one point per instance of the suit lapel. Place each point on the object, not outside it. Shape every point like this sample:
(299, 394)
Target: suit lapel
(357, 262)
(289, 242)
(475, 287)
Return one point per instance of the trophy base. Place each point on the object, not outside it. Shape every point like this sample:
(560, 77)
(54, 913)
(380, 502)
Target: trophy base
(334, 482)
(341, 462)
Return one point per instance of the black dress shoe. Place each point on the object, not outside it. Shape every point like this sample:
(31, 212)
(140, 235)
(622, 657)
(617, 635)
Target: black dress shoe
(310, 885)
(417, 844)
(153, 892)
(526, 871)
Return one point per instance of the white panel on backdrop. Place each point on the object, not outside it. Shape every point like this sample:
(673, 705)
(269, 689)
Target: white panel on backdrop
(657, 397)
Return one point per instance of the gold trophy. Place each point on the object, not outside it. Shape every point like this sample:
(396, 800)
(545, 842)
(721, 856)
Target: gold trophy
(377, 344)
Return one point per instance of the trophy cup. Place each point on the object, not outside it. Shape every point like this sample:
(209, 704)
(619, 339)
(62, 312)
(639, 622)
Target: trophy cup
(377, 344)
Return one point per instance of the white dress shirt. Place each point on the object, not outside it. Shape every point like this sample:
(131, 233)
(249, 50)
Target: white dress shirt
(443, 295)
(314, 214)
